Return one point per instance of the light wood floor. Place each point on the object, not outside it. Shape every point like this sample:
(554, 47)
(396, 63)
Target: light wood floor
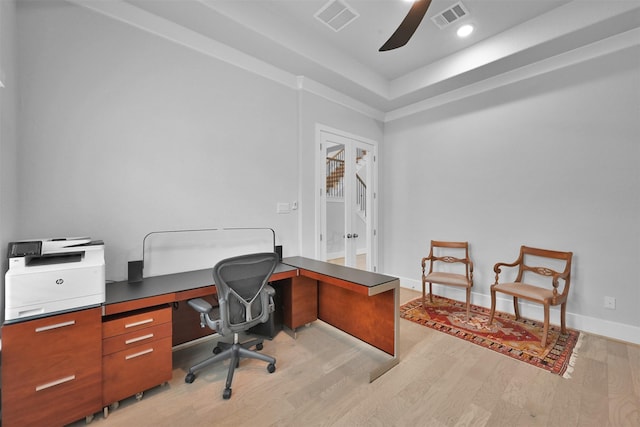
(322, 380)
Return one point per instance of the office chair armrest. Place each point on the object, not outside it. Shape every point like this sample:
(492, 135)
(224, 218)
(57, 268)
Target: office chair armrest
(267, 295)
(200, 305)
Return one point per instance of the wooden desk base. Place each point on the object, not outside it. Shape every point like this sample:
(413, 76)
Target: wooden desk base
(369, 314)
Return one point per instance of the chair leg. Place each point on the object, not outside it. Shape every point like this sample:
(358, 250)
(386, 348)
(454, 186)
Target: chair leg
(430, 293)
(226, 354)
(516, 312)
(233, 362)
(493, 306)
(424, 297)
(563, 311)
(545, 331)
(468, 302)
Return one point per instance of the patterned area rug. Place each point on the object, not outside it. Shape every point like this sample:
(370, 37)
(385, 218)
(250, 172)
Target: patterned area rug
(517, 339)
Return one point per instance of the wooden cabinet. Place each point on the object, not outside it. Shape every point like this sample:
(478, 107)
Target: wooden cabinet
(299, 301)
(51, 370)
(136, 353)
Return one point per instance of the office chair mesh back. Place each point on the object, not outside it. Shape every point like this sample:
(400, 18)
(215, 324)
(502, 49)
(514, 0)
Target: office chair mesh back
(240, 281)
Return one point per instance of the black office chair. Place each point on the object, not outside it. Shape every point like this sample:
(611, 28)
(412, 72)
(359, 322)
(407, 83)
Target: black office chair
(245, 300)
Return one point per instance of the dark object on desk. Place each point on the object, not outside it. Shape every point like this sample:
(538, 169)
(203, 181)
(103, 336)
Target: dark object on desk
(135, 271)
(245, 300)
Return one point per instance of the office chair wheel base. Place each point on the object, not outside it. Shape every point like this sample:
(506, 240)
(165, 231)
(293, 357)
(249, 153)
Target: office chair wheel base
(190, 378)
(226, 394)
(259, 346)
(271, 368)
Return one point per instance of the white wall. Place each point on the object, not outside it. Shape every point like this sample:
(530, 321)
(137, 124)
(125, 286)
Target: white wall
(123, 133)
(8, 136)
(550, 162)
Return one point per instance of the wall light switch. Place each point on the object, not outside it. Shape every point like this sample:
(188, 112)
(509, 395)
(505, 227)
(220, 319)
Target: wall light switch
(283, 208)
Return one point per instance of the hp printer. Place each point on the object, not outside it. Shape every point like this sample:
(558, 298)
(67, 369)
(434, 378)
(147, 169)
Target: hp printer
(52, 275)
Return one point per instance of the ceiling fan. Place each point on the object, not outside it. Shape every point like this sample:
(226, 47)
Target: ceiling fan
(408, 26)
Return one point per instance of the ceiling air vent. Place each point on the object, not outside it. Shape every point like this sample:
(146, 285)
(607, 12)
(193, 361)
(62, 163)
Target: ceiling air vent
(450, 15)
(336, 14)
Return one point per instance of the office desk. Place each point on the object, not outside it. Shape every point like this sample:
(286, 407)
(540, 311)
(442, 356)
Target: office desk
(100, 355)
(361, 303)
(124, 296)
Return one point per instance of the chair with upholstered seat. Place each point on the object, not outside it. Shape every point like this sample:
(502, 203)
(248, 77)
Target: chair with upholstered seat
(534, 288)
(245, 300)
(441, 261)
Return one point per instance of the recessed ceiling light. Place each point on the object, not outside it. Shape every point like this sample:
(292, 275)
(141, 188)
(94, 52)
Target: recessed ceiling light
(465, 30)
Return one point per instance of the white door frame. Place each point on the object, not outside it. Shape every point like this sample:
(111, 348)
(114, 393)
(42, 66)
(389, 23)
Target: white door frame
(320, 196)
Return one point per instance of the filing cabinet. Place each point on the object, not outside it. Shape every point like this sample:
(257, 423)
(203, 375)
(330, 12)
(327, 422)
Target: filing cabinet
(51, 370)
(136, 353)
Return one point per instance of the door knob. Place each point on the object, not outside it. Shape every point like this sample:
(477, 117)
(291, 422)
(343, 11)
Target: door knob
(355, 236)
(348, 236)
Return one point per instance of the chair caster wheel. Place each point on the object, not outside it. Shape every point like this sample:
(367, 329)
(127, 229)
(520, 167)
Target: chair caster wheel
(271, 368)
(259, 346)
(217, 350)
(190, 378)
(226, 394)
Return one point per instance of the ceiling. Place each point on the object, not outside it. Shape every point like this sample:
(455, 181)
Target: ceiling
(284, 35)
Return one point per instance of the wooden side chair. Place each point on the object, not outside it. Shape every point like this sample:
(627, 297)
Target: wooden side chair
(440, 254)
(548, 294)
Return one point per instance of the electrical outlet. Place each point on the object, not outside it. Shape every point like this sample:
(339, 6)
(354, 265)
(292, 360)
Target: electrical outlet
(610, 303)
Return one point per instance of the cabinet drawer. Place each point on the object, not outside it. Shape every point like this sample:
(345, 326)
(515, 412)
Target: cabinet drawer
(136, 369)
(65, 399)
(135, 322)
(51, 369)
(25, 342)
(135, 338)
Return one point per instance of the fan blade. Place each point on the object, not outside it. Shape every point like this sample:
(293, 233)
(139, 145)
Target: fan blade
(408, 26)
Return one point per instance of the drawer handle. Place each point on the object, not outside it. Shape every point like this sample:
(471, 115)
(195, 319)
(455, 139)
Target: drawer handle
(56, 382)
(56, 326)
(141, 353)
(142, 338)
(142, 322)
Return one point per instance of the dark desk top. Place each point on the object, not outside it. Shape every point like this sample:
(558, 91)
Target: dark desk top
(349, 274)
(169, 283)
(148, 287)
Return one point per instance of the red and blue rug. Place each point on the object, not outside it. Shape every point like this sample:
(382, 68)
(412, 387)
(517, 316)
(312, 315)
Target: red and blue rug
(517, 339)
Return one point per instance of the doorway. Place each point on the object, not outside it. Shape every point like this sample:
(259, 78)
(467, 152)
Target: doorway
(347, 181)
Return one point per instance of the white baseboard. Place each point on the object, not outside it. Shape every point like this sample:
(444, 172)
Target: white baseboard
(614, 330)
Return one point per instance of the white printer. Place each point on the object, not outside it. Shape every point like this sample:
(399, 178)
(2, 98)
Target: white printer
(52, 275)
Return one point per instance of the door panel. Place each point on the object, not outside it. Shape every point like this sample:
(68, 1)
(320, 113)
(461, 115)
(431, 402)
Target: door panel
(346, 201)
